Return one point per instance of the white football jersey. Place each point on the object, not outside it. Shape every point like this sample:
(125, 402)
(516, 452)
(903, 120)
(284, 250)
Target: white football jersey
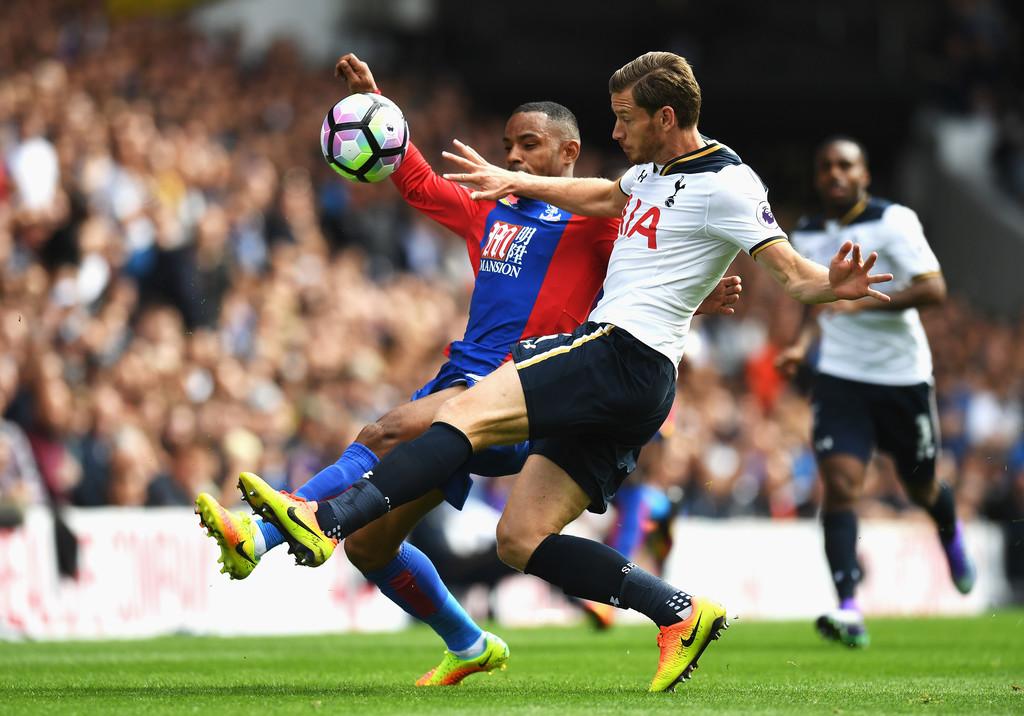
(682, 226)
(882, 347)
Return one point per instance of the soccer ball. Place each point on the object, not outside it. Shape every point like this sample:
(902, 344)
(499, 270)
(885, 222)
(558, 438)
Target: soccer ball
(364, 137)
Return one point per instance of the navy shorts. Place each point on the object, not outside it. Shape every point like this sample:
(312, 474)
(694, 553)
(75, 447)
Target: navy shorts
(854, 418)
(492, 462)
(594, 397)
(449, 375)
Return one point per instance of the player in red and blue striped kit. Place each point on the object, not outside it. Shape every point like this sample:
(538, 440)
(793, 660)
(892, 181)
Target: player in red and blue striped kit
(538, 271)
(538, 268)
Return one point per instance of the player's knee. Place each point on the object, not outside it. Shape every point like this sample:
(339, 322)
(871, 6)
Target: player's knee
(515, 544)
(840, 491)
(843, 478)
(368, 554)
(464, 410)
(450, 414)
(371, 436)
(923, 495)
(382, 436)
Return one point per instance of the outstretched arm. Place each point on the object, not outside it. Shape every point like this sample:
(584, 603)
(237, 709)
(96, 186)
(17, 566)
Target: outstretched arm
(848, 276)
(585, 197)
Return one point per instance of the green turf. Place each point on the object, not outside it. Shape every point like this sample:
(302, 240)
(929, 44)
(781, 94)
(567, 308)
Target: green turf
(914, 666)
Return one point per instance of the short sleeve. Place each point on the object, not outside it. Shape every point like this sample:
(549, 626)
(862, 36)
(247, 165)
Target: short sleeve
(739, 211)
(627, 180)
(905, 243)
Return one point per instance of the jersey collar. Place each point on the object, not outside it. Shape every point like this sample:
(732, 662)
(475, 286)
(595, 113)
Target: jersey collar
(678, 165)
(855, 211)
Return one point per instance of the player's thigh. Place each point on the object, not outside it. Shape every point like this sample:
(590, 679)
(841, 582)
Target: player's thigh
(492, 412)
(844, 422)
(595, 380)
(844, 436)
(908, 430)
(543, 500)
(371, 548)
(597, 463)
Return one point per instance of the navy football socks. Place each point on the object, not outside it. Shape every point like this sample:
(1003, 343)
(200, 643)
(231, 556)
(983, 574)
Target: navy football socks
(408, 472)
(841, 551)
(944, 512)
(590, 570)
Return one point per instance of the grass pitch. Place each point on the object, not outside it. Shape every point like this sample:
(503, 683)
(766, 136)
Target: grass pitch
(914, 666)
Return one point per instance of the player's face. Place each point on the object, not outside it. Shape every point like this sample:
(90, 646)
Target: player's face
(532, 145)
(635, 129)
(840, 175)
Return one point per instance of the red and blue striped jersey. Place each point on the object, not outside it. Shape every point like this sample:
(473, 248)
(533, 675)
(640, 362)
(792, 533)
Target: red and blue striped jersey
(538, 268)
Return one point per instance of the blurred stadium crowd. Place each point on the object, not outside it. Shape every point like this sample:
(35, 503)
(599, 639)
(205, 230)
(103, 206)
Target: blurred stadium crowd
(979, 75)
(186, 290)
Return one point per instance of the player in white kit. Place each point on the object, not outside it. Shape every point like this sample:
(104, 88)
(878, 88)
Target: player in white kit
(873, 377)
(588, 400)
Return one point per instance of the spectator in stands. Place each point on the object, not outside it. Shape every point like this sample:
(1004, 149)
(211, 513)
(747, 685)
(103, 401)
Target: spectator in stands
(194, 468)
(134, 467)
(20, 482)
(50, 433)
(96, 446)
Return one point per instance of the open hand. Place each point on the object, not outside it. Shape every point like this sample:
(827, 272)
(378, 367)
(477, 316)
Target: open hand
(850, 277)
(494, 182)
(720, 300)
(788, 360)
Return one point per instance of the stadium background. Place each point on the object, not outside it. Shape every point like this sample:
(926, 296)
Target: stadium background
(186, 290)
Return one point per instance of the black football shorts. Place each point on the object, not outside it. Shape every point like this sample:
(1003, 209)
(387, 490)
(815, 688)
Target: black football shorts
(855, 418)
(594, 397)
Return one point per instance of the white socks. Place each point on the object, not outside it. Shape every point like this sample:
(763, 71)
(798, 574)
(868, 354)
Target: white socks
(259, 544)
(475, 649)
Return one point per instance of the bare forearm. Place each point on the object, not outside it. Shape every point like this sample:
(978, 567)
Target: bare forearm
(584, 197)
(803, 280)
(809, 328)
(848, 276)
(812, 292)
